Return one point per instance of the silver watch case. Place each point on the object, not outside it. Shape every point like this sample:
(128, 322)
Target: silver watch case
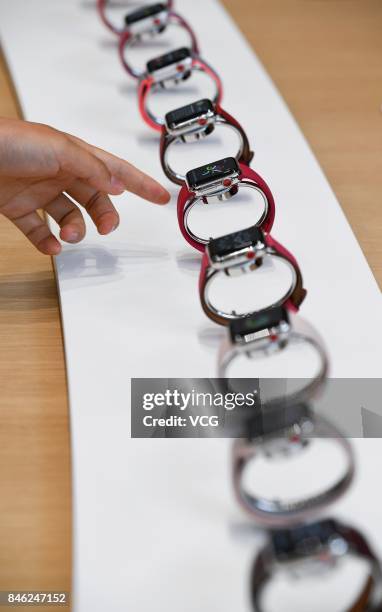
(287, 442)
(172, 75)
(217, 189)
(150, 26)
(239, 262)
(194, 129)
(321, 559)
(265, 342)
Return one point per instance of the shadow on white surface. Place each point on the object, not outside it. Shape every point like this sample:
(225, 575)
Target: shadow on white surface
(106, 264)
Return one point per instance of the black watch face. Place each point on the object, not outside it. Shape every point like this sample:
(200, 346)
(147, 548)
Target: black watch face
(143, 13)
(303, 541)
(216, 171)
(174, 57)
(188, 113)
(265, 319)
(219, 247)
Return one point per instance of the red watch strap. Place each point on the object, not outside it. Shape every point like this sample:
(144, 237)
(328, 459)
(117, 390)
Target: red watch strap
(247, 155)
(143, 90)
(125, 36)
(211, 73)
(203, 272)
(164, 143)
(291, 304)
(247, 174)
(299, 293)
(146, 84)
(183, 198)
(182, 22)
(167, 140)
(101, 6)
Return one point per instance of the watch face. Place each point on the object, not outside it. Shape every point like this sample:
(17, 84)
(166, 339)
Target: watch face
(265, 319)
(189, 112)
(303, 541)
(219, 247)
(143, 13)
(168, 59)
(212, 172)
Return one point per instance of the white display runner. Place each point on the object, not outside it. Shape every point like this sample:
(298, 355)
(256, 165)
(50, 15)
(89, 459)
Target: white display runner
(156, 525)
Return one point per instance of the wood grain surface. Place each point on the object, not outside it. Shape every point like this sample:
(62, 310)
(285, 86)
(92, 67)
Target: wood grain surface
(35, 517)
(325, 57)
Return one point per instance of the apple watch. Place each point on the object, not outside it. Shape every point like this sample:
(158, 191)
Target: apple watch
(267, 333)
(239, 253)
(194, 122)
(311, 550)
(150, 21)
(168, 70)
(152, 15)
(220, 180)
(287, 432)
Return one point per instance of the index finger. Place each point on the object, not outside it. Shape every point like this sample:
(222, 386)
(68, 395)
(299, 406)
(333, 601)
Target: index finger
(135, 180)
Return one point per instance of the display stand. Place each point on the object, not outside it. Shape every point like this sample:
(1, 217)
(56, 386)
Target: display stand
(156, 525)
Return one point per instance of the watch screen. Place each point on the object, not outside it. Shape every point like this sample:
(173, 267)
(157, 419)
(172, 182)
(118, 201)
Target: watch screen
(303, 540)
(212, 172)
(265, 319)
(225, 245)
(143, 13)
(168, 59)
(189, 112)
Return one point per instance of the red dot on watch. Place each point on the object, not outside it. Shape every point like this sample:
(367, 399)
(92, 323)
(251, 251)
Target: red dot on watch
(227, 182)
(294, 439)
(180, 68)
(202, 121)
(274, 337)
(251, 255)
(157, 22)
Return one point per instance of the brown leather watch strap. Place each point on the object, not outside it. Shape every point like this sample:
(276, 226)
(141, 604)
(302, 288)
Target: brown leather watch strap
(247, 155)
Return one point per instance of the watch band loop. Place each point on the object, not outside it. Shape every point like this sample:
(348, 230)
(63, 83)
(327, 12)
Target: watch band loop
(101, 8)
(299, 293)
(126, 38)
(147, 82)
(292, 303)
(247, 155)
(244, 156)
(183, 23)
(248, 177)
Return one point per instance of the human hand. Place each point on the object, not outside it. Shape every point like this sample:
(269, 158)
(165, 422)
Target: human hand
(40, 167)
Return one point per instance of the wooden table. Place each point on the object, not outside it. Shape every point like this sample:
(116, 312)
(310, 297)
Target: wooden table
(325, 58)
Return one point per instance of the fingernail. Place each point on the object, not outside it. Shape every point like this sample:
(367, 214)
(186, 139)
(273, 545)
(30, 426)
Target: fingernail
(117, 184)
(73, 236)
(105, 229)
